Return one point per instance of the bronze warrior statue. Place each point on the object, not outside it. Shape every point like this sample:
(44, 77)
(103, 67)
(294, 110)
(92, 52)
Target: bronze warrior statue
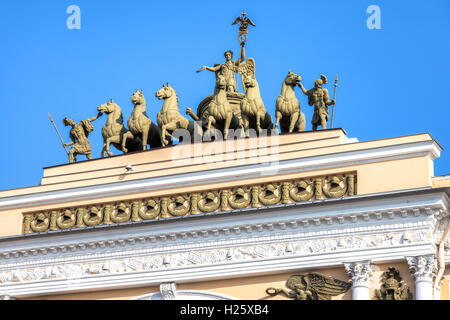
(320, 99)
(79, 136)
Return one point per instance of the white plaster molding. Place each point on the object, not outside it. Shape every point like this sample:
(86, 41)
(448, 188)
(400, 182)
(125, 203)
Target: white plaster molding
(423, 268)
(187, 295)
(368, 236)
(360, 273)
(196, 257)
(206, 272)
(337, 160)
(168, 290)
(441, 177)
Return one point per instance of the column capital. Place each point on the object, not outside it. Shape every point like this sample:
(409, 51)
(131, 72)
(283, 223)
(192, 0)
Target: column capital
(422, 268)
(360, 273)
(168, 290)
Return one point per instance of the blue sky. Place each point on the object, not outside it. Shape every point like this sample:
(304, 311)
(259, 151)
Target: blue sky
(392, 82)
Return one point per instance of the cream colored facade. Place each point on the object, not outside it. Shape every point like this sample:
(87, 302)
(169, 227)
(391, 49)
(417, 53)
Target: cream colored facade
(222, 220)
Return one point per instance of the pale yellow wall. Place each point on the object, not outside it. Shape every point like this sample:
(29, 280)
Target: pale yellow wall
(445, 284)
(10, 223)
(254, 288)
(123, 294)
(394, 175)
(445, 289)
(441, 182)
(248, 288)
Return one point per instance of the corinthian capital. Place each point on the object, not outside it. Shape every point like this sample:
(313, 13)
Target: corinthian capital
(423, 268)
(360, 273)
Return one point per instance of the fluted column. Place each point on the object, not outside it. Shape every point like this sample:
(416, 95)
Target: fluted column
(423, 270)
(360, 273)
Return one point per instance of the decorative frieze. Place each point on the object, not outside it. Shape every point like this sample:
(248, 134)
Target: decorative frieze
(165, 258)
(305, 189)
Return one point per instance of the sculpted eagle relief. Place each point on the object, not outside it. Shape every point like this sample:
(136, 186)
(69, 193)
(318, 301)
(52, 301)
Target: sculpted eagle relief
(312, 286)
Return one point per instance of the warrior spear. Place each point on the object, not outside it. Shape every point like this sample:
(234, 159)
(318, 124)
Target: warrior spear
(334, 98)
(51, 119)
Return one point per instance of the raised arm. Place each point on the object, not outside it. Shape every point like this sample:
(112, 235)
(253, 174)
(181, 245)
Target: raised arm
(213, 69)
(242, 56)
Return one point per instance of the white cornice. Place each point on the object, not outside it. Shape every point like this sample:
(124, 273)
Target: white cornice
(233, 269)
(336, 160)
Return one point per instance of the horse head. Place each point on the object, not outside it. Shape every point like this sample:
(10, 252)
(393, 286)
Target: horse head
(249, 81)
(138, 97)
(221, 82)
(107, 107)
(292, 79)
(165, 92)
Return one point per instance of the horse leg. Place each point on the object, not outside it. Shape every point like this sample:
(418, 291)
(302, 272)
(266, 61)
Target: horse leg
(145, 131)
(259, 117)
(104, 149)
(245, 124)
(115, 139)
(172, 126)
(279, 117)
(294, 118)
(126, 135)
(227, 126)
(210, 122)
(301, 123)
